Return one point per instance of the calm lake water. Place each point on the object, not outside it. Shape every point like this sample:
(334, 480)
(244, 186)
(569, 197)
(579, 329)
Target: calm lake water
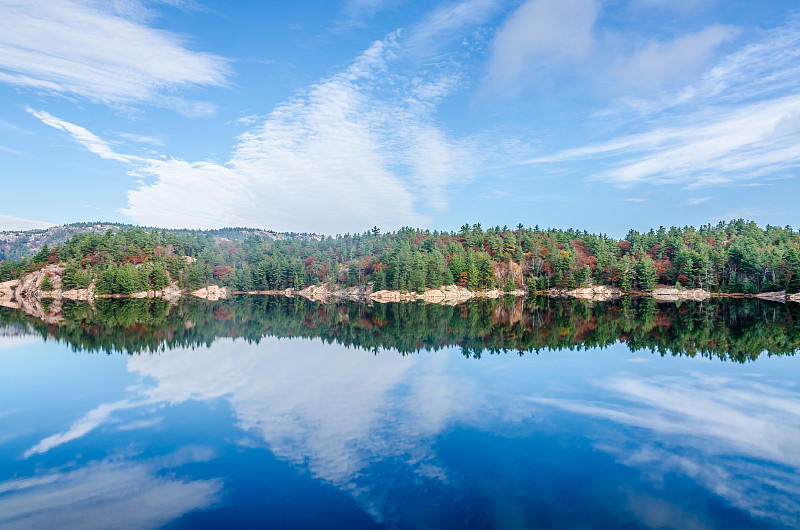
(288, 414)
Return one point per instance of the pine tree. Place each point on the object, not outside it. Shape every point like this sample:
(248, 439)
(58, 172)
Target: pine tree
(647, 274)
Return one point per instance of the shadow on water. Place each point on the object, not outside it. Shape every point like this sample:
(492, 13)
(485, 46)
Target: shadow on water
(728, 329)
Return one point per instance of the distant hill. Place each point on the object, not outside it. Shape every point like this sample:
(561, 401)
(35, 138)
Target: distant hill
(18, 244)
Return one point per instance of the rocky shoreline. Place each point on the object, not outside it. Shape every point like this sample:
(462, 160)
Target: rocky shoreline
(27, 294)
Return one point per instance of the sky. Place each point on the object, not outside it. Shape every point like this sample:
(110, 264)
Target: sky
(334, 117)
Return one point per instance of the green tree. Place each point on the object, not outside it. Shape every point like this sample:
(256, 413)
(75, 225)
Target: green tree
(647, 274)
(158, 277)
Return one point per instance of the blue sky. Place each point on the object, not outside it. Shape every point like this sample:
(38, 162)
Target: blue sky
(333, 117)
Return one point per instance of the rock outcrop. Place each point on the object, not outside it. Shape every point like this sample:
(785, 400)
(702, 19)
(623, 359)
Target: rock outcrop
(673, 294)
(447, 295)
(212, 292)
(316, 293)
(595, 293)
(7, 294)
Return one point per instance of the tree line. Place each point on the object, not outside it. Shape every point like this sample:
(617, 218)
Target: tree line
(733, 257)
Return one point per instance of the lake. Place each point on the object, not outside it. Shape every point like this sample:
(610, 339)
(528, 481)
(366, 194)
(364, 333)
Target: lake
(284, 413)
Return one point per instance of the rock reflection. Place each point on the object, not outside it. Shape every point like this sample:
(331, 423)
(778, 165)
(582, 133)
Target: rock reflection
(738, 330)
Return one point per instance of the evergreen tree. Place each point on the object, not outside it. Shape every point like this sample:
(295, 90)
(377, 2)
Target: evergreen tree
(646, 274)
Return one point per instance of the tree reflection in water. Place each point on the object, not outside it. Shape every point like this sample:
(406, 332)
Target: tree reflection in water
(730, 329)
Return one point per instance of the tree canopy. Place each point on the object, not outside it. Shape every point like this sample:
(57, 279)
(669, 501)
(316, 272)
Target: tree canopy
(734, 257)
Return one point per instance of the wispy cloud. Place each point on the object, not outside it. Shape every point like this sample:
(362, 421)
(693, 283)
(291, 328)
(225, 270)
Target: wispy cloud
(447, 24)
(9, 222)
(495, 194)
(543, 37)
(696, 200)
(90, 50)
(656, 63)
(739, 143)
(539, 33)
(354, 150)
(89, 140)
(729, 127)
(141, 138)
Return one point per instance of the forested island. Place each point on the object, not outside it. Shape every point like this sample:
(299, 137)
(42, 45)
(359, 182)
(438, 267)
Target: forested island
(734, 258)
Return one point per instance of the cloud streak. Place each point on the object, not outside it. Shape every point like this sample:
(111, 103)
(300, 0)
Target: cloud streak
(730, 126)
(9, 222)
(358, 149)
(79, 48)
(543, 39)
(87, 139)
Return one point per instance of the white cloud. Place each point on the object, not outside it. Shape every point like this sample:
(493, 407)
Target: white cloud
(141, 138)
(89, 140)
(88, 49)
(356, 150)
(728, 145)
(658, 63)
(546, 36)
(540, 32)
(105, 494)
(445, 25)
(9, 222)
(736, 124)
(697, 200)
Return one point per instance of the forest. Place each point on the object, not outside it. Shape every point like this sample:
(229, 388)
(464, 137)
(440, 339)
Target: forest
(733, 257)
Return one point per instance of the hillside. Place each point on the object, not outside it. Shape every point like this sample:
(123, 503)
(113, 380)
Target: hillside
(18, 244)
(735, 258)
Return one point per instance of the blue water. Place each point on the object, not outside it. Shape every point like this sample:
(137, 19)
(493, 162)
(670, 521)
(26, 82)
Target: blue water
(304, 434)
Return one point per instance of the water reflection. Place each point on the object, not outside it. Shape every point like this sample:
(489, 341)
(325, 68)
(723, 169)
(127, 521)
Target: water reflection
(594, 437)
(735, 435)
(738, 330)
(111, 493)
(380, 428)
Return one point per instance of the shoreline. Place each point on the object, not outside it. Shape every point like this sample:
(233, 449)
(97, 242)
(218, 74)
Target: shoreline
(27, 292)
